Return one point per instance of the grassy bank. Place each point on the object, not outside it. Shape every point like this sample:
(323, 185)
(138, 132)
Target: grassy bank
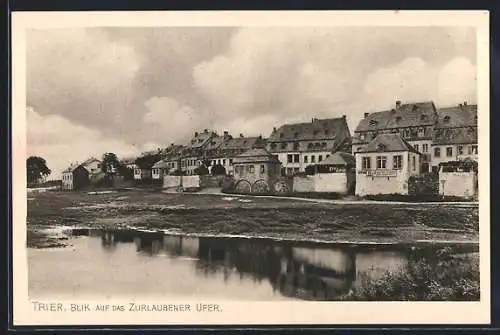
(443, 277)
(288, 218)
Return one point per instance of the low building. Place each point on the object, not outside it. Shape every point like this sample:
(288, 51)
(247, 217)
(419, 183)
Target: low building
(94, 168)
(129, 163)
(170, 162)
(75, 177)
(458, 179)
(194, 151)
(256, 171)
(414, 122)
(456, 134)
(385, 165)
(301, 144)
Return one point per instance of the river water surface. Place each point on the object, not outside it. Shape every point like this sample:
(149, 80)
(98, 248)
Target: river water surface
(130, 264)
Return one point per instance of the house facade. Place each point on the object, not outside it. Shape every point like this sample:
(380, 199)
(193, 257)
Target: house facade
(301, 144)
(456, 135)
(385, 165)
(231, 148)
(169, 163)
(414, 122)
(256, 171)
(194, 152)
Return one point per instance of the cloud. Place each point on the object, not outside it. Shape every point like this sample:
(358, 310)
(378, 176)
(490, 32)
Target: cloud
(328, 72)
(61, 142)
(457, 82)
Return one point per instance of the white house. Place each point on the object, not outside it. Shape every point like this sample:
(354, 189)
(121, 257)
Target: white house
(385, 165)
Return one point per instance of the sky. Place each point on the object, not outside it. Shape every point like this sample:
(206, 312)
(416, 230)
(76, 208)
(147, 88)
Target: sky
(126, 90)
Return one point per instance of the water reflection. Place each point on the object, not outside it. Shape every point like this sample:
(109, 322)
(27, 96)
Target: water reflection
(306, 271)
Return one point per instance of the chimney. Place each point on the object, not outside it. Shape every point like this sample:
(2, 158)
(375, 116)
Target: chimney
(172, 144)
(460, 105)
(398, 104)
(312, 120)
(343, 116)
(465, 103)
(205, 131)
(366, 115)
(241, 135)
(195, 134)
(274, 129)
(226, 133)
(260, 137)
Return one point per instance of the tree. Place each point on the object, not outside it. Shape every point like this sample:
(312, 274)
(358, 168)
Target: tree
(201, 170)
(110, 165)
(218, 169)
(147, 161)
(36, 169)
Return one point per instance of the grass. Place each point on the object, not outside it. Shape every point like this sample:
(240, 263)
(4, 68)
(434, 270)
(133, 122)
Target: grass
(288, 218)
(447, 277)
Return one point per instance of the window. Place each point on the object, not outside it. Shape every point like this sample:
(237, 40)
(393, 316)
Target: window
(473, 150)
(251, 169)
(313, 159)
(296, 146)
(282, 135)
(323, 144)
(223, 162)
(98, 165)
(320, 158)
(327, 156)
(397, 162)
(289, 158)
(289, 171)
(296, 158)
(362, 137)
(416, 147)
(437, 152)
(283, 145)
(262, 168)
(366, 163)
(273, 145)
(230, 161)
(305, 159)
(381, 162)
(421, 132)
(460, 150)
(414, 163)
(449, 151)
(425, 147)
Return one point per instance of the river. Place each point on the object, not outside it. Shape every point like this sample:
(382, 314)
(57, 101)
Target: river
(130, 264)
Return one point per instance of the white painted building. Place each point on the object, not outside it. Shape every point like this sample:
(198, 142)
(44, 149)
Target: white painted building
(385, 165)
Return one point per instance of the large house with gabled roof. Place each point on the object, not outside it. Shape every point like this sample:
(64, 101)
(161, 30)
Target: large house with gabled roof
(385, 165)
(194, 151)
(301, 144)
(415, 122)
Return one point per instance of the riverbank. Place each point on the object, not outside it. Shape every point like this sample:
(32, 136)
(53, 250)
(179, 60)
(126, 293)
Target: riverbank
(256, 216)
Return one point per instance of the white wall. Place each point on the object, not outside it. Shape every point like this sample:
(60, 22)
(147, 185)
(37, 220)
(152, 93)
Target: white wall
(331, 182)
(171, 181)
(396, 183)
(303, 184)
(191, 181)
(458, 184)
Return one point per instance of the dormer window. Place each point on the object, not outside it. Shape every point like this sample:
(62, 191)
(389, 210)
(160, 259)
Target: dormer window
(296, 134)
(317, 144)
(398, 118)
(446, 118)
(326, 131)
(362, 137)
(282, 135)
(373, 122)
(310, 145)
(283, 145)
(380, 147)
(421, 131)
(423, 117)
(323, 144)
(470, 130)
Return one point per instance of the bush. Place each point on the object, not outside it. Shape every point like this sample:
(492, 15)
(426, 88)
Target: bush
(425, 185)
(201, 170)
(218, 170)
(444, 277)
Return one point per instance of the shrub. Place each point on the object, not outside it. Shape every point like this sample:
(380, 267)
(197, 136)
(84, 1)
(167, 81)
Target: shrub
(444, 277)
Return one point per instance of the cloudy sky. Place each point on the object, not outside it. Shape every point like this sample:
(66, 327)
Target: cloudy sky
(126, 90)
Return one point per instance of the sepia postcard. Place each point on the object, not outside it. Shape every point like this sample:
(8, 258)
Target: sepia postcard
(250, 168)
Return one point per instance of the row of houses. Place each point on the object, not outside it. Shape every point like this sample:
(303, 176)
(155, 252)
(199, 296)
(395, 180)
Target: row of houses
(387, 148)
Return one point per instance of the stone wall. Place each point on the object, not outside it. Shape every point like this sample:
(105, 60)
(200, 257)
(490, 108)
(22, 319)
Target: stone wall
(458, 184)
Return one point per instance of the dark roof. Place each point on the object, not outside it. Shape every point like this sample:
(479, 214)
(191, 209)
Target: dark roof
(464, 135)
(256, 155)
(236, 146)
(388, 143)
(406, 115)
(90, 160)
(317, 135)
(339, 158)
(456, 125)
(201, 139)
(317, 129)
(457, 116)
